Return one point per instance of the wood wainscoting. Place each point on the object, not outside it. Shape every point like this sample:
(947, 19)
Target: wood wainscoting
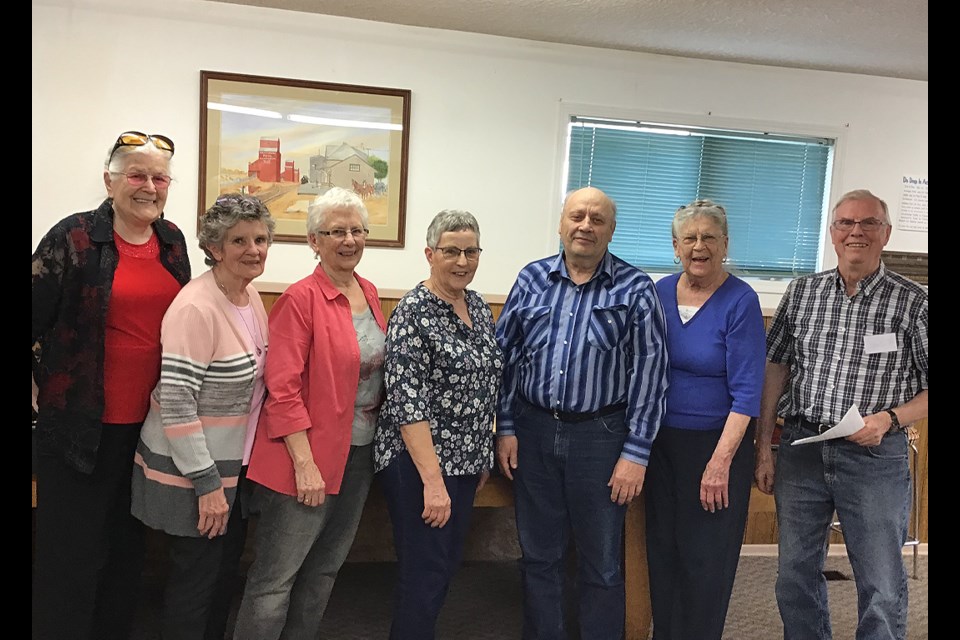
(762, 519)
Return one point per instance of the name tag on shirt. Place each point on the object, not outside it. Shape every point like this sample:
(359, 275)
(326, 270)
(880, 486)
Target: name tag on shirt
(883, 343)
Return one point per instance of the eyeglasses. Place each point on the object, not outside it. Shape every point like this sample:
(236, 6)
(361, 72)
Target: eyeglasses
(341, 234)
(689, 241)
(138, 139)
(453, 253)
(869, 224)
(160, 181)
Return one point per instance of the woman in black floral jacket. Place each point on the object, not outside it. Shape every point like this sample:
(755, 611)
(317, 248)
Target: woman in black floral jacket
(102, 281)
(434, 441)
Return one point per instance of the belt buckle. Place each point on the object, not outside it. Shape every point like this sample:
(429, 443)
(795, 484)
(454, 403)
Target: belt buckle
(556, 414)
(822, 427)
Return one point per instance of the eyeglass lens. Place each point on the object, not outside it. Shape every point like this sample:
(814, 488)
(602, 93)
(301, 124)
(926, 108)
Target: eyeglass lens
(452, 253)
(868, 224)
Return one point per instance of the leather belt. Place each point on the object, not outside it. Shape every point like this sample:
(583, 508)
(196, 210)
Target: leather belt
(819, 427)
(571, 416)
(816, 427)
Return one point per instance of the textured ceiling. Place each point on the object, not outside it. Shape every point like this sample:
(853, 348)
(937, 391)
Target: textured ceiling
(873, 37)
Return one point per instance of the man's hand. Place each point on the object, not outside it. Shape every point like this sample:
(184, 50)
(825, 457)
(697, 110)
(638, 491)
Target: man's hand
(507, 454)
(875, 426)
(627, 481)
(764, 469)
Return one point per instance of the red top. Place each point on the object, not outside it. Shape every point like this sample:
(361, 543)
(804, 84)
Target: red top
(142, 291)
(312, 372)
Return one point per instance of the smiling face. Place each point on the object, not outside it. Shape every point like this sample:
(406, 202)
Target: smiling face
(453, 275)
(701, 247)
(137, 206)
(586, 226)
(335, 254)
(243, 255)
(857, 249)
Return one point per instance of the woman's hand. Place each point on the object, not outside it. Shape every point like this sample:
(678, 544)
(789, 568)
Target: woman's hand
(311, 490)
(214, 513)
(436, 504)
(714, 485)
(483, 479)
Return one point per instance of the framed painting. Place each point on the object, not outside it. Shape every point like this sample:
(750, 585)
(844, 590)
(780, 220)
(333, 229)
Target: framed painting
(287, 141)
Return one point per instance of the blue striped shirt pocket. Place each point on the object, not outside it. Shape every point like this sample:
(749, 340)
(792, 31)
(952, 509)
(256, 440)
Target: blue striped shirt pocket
(536, 326)
(607, 326)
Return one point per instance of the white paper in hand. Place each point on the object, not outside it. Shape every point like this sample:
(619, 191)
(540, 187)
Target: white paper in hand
(851, 423)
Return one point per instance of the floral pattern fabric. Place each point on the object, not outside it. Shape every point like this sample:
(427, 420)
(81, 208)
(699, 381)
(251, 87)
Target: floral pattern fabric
(443, 372)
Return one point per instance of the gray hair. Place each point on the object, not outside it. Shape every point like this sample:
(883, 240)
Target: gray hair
(336, 198)
(700, 208)
(229, 210)
(862, 194)
(121, 157)
(451, 220)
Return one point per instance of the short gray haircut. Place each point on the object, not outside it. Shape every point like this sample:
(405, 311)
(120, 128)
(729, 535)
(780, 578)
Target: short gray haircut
(451, 220)
(229, 210)
(862, 194)
(121, 157)
(334, 199)
(700, 208)
(613, 203)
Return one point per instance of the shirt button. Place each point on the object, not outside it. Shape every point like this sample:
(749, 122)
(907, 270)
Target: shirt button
(561, 373)
(564, 342)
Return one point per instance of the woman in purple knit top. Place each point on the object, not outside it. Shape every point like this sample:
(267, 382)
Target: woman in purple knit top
(701, 465)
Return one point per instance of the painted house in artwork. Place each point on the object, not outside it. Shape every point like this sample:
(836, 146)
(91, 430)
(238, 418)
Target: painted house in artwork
(341, 165)
(266, 167)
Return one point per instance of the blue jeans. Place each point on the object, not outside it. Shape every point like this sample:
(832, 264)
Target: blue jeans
(869, 487)
(427, 557)
(560, 488)
(298, 552)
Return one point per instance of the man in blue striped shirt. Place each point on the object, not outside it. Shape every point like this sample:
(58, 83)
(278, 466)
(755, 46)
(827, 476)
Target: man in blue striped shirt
(583, 393)
(854, 336)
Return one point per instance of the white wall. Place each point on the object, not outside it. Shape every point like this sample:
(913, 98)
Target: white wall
(485, 115)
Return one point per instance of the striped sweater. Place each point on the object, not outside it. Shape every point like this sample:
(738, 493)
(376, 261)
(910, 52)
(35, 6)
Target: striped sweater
(192, 440)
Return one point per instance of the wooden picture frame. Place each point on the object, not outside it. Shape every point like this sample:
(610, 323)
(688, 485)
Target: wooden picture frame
(289, 140)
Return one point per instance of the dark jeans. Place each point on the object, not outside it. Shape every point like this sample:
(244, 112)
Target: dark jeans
(693, 554)
(560, 487)
(89, 549)
(203, 578)
(427, 557)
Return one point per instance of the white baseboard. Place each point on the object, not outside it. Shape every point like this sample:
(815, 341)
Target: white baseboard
(836, 549)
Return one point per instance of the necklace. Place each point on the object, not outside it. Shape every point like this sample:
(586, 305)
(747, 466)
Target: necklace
(220, 284)
(253, 334)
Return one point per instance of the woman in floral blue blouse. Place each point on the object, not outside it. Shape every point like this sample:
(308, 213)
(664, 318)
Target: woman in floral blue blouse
(434, 440)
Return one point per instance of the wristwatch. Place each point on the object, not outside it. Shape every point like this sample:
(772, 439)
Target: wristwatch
(894, 420)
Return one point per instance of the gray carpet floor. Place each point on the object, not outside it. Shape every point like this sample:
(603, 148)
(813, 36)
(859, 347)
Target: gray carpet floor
(484, 602)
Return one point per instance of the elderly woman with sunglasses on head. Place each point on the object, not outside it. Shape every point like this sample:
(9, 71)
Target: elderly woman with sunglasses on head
(701, 463)
(102, 281)
(434, 443)
(188, 480)
(312, 458)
